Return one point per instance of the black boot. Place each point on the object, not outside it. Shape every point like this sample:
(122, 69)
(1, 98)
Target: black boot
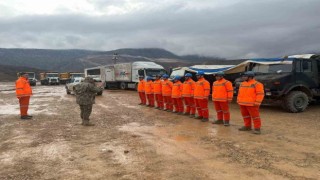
(199, 117)
(245, 128)
(204, 119)
(217, 122)
(256, 131)
(192, 116)
(226, 123)
(25, 117)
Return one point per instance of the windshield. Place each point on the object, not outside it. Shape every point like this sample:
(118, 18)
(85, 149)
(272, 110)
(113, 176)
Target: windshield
(93, 72)
(52, 75)
(154, 72)
(272, 68)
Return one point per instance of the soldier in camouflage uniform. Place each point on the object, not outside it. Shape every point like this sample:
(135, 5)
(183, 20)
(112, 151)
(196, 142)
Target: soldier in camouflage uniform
(86, 93)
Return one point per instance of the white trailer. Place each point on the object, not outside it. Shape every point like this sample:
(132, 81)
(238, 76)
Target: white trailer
(97, 73)
(124, 75)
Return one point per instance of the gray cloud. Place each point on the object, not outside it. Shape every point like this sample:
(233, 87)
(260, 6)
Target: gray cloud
(249, 28)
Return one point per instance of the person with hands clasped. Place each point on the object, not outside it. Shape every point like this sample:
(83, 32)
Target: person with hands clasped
(251, 94)
(201, 96)
(222, 94)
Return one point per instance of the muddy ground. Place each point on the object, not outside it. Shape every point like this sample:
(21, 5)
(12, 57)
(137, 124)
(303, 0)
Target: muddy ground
(136, 142)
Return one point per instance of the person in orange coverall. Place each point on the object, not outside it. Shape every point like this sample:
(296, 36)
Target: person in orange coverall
(201, 95)
(141, 91)
(250, 97)
(177, 95)
(148, 87)
(23, 92)
(187, 94)
(166, 92)
(157, 91)
(222, 94)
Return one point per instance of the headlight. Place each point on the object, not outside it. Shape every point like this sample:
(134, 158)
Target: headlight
(268, 93)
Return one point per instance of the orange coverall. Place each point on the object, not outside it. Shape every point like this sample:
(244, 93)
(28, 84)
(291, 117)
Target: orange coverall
(187, 94)
(23, 92)
(222, 94)
(141, 92)
(250, 97)
(157, 91)
(149, 92)
(166, 93)
(177, 96)
(201, 94)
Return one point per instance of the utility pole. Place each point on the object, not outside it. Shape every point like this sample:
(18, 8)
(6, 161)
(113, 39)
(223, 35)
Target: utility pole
(115, 58)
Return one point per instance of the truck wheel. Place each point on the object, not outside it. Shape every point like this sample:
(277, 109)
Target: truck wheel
(68, 92)
(296, 101)
(99, 93)
(123, 86)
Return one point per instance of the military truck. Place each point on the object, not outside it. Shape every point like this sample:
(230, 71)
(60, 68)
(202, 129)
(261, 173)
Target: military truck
(292, 81)
(32, 78)
(49, 78)
(64, 78)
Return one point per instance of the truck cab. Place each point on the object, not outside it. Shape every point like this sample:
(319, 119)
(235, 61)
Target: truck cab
(294, 81)
(53, 78)
(64, 78)
(32, 78)
(49, 78)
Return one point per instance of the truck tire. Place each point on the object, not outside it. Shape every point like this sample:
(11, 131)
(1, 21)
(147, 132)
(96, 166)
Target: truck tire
(68, 92)
(296, 101)
(100, 93)
(123, 86)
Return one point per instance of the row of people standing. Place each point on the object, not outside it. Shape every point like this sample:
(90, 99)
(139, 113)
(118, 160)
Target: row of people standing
(176, 96)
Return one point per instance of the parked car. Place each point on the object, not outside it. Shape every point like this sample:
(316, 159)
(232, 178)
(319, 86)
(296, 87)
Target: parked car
(70, 86)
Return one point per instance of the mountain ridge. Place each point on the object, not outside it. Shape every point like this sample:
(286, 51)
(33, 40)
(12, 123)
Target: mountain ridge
(66, 60)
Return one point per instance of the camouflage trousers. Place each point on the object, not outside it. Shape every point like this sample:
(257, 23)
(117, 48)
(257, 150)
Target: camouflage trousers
(85, 113)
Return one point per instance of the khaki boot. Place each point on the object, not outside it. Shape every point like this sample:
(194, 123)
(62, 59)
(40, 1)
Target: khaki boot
(87, 123)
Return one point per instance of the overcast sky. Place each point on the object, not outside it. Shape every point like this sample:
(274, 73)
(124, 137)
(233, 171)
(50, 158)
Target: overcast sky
(224, 28)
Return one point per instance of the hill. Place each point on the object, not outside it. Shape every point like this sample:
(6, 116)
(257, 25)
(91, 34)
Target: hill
(77, 60)
(9, 73)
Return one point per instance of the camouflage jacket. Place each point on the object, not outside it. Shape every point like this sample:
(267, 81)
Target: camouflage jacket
(86, 92)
